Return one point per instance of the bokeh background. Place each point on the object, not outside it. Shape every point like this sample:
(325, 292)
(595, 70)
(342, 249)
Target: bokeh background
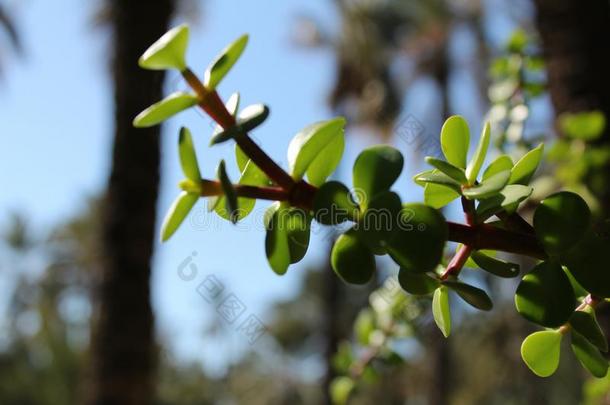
(94, 309)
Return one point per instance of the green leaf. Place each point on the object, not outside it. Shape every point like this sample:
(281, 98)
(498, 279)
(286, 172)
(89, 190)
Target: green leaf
(472, 171)
(251, 176)
(438, 196)
(510, 197)
(417, 283)
(525, 168)
(162, 110)
(455, 140)
(584, 125)
(450, 170)
(168, 51)
(441, 311)
(589, 356)
(219, 68)
(352, 260)
(495, 266)
(541, 351)
(297, 223)
(333, 204)
(561, 220)
(502, 163)
(487, 188)
(247, 120)
(188, 157)
(277, 247)
(584, 323)
(436, 177)
(471, 294)
(587, 261)
(380, 220)
(177, 213)
(229, 192)
(545, 296)
(375, 170)
(340, 389)
(419, 239)
(316, 150)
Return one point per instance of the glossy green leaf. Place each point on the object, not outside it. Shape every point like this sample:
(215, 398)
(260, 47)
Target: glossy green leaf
(352, 260)
(316, 150)
(230, 196)
(417, 283)
(418, 242)
(541, 351)
(584, 125)
(164, 109)
(523, 171)
(168, 52)
(378, 224)
(297, 223)
(561, 220)
(177, 213)
(375, 170)
(588, 263)
(247, 120)
(455, 140)
(487, 188)
(438, 196)
(277, 247)
(509, 197)
(500, 164)
(450, 170)
(585, 323)
(188, 157)
(219, 68)
(589, 356)
(495, 266)
(439, 178)
(441, 310)
(471, 294)
(545, 296)
(333, 204)
(472, 171)
(251, 176)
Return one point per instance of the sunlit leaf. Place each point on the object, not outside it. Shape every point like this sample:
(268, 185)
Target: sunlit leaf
(188, 157)
(589, 356)
(495, 266)
(509, 197)
(525, 168)
(500, 164)
(583, 125)
(441, 310)
(167, 52)
(487, 188)
(472, 171)
(224, 62)
(450, 170)
(455, 140)
(375, 170)
(438, 196)
(164, 109)
(541, 351)
(317, 150)
(439, 178)
(177, 213)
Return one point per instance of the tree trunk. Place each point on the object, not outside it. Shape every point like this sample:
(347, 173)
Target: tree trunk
(575, 43)
(123, 354)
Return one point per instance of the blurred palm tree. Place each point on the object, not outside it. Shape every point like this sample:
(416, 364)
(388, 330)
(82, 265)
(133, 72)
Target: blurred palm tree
(123, 350)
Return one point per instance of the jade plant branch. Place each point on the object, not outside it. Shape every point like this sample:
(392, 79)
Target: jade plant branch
(301, 194)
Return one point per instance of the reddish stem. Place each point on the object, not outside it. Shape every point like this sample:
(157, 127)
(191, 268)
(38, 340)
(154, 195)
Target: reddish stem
(458, 261)
(216, 109)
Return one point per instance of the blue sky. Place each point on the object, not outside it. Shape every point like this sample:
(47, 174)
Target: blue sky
(55, 140)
